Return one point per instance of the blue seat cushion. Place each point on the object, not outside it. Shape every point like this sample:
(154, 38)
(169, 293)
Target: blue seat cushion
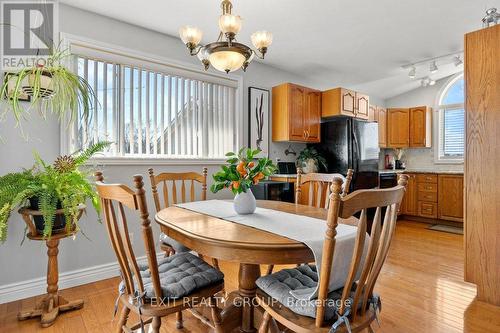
(278, 285)
(180, 275)
(178, 247)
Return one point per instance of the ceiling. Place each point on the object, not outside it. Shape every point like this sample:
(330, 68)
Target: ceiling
(359, 44)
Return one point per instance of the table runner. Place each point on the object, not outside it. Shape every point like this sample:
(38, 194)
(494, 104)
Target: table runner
(304, 229)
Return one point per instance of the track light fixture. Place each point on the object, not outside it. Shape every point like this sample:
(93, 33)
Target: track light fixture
(457, 61)
(412, 73)
(433, 68)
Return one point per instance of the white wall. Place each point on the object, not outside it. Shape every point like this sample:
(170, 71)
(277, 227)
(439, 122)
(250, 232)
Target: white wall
(422, 158)
(25, 262)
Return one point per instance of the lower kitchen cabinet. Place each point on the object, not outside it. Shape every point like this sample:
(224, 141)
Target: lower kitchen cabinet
(451, 198)
(410, 199)
(434, 196)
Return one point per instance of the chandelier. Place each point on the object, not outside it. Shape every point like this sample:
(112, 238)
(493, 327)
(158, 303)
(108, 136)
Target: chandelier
(226, 54)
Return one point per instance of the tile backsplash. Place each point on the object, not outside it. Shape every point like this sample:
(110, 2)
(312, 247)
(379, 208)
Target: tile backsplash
(420, 159)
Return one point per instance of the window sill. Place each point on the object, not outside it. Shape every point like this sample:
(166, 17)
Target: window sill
(450, 161)
(129, 160)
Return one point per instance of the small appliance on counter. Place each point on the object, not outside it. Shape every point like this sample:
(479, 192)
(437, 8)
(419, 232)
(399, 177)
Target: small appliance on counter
(400, 165)
(287, 168)
(274, 190)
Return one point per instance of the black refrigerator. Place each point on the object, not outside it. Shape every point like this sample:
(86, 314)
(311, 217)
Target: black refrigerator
(348, 143)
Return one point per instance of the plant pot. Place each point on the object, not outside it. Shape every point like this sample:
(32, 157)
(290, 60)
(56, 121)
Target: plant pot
(59, 220)
(309, 166)
(46, 88)
(244, 203)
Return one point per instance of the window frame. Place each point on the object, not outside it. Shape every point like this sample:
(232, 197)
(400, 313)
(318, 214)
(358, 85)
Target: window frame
(441, 108)
(125, 56)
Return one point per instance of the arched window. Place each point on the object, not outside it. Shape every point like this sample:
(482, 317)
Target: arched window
(452, 121)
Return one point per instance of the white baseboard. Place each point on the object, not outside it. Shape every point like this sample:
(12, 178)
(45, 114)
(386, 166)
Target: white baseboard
(29, 288)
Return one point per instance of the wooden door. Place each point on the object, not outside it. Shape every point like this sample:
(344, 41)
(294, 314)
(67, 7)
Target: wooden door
(410, 198)
(420, 127)
(362, 106)
(297, 109)
(451, 197)
(312, 116)
(382, 127)
(348, 102)
(398, 128)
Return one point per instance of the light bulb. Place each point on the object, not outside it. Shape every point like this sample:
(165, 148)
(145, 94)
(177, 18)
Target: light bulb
(226, 61)
(230, 24)
(262, 39)
(412, 73)
(190, 35)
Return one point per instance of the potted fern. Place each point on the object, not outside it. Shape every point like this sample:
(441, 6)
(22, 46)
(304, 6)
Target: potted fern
(243, 171)
(50, 87)
(57, 191)
(309, 160)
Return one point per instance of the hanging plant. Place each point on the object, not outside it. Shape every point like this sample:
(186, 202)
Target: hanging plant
(51, 87)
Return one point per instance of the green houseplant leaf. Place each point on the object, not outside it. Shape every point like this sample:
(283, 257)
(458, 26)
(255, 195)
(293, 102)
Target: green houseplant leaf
(65, 183)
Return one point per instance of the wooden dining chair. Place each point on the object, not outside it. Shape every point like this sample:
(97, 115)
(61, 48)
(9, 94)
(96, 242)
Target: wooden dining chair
(313, 189)
(172, 197)
(355, 306)
(160, 287)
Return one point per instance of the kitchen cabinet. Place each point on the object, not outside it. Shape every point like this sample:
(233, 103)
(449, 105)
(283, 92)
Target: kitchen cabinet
(451, 201)
(382, 127)
(296, 113)
(398, 127)
(409, 205)
(436, 196)
(362, 106)
(373, 114)
(345, 102)
(420, 127)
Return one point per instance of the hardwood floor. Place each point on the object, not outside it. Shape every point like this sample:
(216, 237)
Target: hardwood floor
(421, 287)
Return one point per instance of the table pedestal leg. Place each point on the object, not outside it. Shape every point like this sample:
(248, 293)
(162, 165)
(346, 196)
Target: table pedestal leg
(50, 306)
(246, 287)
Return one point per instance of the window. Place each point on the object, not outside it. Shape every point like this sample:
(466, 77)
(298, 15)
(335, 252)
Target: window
(149, 114)
(452, 121)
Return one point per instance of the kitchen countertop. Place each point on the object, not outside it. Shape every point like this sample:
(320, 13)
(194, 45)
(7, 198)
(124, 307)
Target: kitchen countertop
(448, 172)
(284, 175)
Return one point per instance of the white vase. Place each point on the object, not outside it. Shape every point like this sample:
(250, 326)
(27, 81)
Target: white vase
(244, 203)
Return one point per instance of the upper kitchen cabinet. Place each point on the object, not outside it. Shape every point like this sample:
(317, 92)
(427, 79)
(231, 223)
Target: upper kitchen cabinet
(382, 127)
(340, 101)
(398, 128)
(296, 113)
(420, 127)
(373, 114)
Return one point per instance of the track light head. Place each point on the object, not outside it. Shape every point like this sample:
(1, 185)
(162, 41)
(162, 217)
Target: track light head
(433, 68)
(412, 73)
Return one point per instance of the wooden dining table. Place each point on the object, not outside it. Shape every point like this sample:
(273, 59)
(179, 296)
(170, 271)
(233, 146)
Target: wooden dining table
(250, 247)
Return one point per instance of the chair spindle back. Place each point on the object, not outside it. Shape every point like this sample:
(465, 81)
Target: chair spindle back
(313, 189)
(118, 195)
(171, 196)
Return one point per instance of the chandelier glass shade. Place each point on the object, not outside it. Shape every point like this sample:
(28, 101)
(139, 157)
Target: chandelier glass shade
(226, 54)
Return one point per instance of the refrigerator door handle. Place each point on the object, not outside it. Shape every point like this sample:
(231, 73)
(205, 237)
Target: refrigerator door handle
(356, 145)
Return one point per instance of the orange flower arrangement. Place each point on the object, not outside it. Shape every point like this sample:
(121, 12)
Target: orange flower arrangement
(243, 171)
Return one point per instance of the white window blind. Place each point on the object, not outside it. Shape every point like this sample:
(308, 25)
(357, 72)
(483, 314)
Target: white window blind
(153, 114)
(453, 132)
(452, 121)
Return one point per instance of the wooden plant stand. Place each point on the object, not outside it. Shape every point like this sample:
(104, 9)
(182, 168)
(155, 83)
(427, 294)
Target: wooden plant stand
(52, 303)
